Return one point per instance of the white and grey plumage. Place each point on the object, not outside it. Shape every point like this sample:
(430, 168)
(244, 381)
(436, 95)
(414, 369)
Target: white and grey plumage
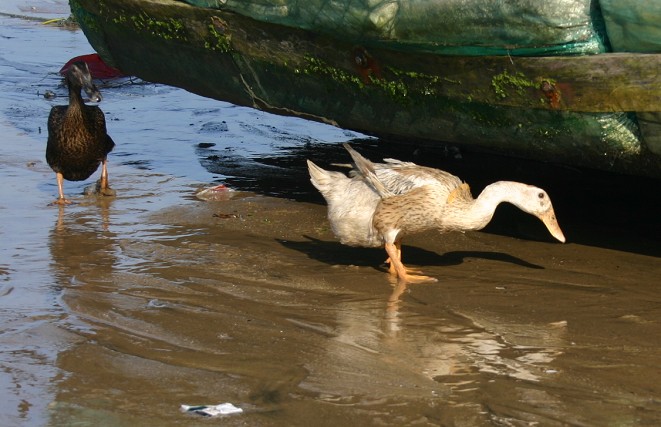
(380, 203)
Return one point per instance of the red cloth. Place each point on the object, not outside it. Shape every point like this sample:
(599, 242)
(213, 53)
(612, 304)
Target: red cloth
(98, 68)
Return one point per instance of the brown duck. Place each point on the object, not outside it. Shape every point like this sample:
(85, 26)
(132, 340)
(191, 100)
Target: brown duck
(77, 139)
(380, 203)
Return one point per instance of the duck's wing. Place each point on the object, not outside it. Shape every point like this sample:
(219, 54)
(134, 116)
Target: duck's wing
(395, 177)
(401, 177)
(56, 118)
(110, 144)
(97, 118)
(98, 121)
(55, 138)
(367, 171)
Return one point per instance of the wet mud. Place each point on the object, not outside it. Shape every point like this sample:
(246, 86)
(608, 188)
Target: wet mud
(115, 311)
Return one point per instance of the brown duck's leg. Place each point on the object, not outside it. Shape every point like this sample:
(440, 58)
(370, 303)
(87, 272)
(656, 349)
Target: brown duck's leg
(403, 275)
(61, 200)
(103, 187)
(104, 174)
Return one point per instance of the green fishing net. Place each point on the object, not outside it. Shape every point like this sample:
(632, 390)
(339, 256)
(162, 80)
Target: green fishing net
(454, 27)
(633, 25)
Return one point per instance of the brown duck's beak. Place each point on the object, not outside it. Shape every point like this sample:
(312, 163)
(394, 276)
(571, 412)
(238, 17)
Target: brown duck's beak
(548, 218)
(92, 92)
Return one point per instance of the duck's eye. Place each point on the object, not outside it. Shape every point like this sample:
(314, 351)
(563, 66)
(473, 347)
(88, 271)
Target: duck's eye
(540, 195)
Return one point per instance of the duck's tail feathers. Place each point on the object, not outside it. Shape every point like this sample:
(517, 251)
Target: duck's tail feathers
(366, 169)
(319, 177)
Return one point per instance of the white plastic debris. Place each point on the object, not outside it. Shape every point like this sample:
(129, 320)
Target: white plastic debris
(154, 303)
(212, 410)
(214, 194)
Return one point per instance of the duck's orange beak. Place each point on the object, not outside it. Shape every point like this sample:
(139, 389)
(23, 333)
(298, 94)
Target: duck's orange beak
(548, 218)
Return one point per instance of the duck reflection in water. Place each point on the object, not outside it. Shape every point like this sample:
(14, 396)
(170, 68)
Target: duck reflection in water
(81, 244)
(395, 344)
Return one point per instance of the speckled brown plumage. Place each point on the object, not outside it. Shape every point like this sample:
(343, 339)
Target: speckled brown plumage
(77, 139)
(380, 203)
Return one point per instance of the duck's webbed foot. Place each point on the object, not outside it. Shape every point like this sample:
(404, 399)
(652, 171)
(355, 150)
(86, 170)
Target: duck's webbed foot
(410, 275)
(392, 270)
(105, 191)
(416, 278)
(100, 188)
(62, 201)
(404, 274)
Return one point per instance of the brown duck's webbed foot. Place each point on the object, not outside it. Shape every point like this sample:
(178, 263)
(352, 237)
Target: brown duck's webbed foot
(60, 201)
(97, 189)
(105, 191)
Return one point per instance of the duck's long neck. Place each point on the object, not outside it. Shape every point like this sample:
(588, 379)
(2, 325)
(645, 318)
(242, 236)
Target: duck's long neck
(476, 214)
(75, 98)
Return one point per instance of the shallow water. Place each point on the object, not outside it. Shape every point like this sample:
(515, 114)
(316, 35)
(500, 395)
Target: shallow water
(115, 311)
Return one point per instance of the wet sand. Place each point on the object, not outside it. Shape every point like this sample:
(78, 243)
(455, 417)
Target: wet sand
(115, 311)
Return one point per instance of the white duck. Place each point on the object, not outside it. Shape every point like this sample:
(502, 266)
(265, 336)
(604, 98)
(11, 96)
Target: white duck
(380, 203)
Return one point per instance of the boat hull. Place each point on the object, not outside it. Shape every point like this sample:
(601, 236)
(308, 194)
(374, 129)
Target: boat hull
(597, 111)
